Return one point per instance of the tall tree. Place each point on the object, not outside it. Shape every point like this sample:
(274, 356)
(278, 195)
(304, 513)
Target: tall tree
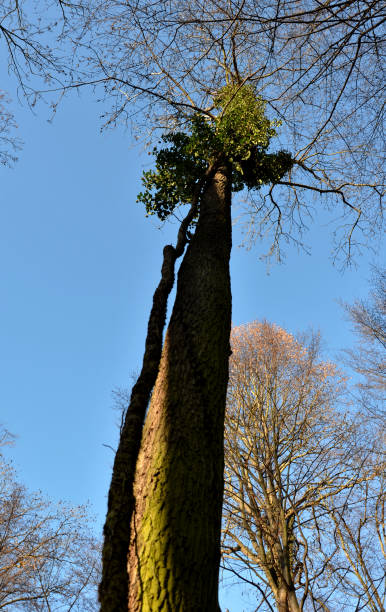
(170, 61)
(188, 400)
(166, 64)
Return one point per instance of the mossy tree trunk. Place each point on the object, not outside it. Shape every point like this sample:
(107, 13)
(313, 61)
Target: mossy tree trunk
(174, 553)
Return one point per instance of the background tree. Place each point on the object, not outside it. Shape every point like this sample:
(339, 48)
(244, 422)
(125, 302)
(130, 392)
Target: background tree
(368, 358)
(49, 557)
(293, 460)
(358, 570)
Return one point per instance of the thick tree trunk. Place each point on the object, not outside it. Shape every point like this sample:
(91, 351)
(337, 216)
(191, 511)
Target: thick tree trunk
(293, 602)
(286, 600)
(174, 553)
(281, 600)
(113, 589)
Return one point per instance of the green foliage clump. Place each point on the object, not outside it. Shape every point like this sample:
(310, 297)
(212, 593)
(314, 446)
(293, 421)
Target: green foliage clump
(178, 167)
(241, 124)
(239, 135)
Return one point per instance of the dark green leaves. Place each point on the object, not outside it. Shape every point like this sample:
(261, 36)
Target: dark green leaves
(240, 134)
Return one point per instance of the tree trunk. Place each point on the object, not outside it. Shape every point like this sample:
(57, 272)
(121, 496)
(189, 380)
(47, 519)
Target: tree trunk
(174, 553)
(286, 600)
(293, 602)
(281, 600)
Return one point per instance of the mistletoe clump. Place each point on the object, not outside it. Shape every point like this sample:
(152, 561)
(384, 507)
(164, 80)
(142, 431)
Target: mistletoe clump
(239, 134)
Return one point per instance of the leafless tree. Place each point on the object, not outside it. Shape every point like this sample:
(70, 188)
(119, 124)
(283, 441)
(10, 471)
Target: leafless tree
(318, 65)
(49, 557)
(358, 570)
(368, 357)
(296, 471)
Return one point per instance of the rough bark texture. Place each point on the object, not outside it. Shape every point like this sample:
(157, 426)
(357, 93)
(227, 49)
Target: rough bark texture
(175, 546)
(113, 592)
(286, 600)
(282, 604)
(292, 601)
(113, 589)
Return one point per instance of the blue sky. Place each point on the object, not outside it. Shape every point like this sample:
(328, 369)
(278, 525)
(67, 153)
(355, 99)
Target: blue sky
(79, 265)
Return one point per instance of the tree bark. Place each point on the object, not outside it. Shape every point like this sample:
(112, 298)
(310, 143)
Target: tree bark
(281, 600)
(293, 602)
(113, 589)
(113, 593)
(174, 553)
(286, 600)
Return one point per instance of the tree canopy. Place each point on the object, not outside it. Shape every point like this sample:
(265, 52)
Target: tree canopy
(318, 68)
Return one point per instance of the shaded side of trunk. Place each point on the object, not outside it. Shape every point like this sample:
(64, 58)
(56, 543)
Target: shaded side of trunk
(113, 593)
(175, 548)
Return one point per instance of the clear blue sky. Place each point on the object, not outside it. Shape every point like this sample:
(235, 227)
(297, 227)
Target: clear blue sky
(79, 266)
